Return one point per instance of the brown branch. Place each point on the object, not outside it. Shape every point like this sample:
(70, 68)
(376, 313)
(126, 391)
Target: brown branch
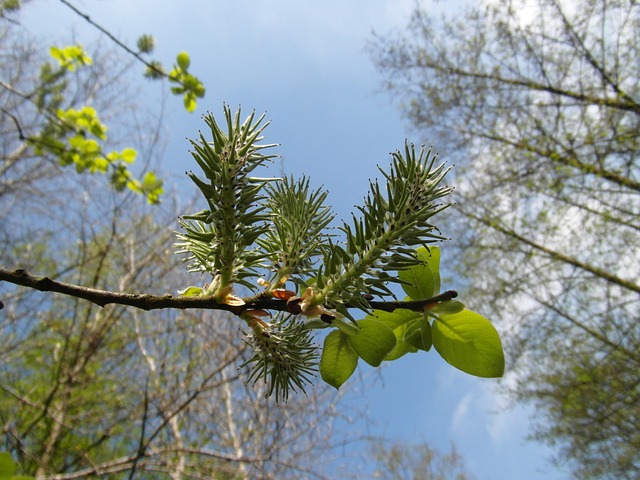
(114, 39)
(137, 55)
(555, 255)
(568, 160)
(627, 104)
(152, 302)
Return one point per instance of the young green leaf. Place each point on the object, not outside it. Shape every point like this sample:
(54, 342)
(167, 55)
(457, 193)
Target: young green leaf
(339, 360)
(394, 319)
(418, 334)
(401, 348)
(128, 155)
(346, 327)
(423, 280)
(374, 342)
(183, 60)
(7, 466)
(190, 292)
(398, 321)
(432, 257)
(469, 342)
(189, 101)
(448, 308)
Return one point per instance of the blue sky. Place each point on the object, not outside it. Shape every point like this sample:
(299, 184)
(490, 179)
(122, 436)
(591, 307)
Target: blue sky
(305, 64)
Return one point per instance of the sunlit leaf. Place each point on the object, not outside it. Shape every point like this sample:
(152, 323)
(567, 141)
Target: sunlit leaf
(420, 281)
(374, 341)
(346, 327)
(432, 257)
(183, 60)
(7, 466)
(469, 342)
(339, 360)
(189, 101)
(418, 334)
(128, 155)
(448, 308)
(401, 347)
(190, 292)
(395, 318)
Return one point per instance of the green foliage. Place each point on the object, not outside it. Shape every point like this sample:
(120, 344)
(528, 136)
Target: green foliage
(8, 468)
(70, 57)
(465, 339)
(404, 461)
(381, 240)
(10, 6)
(373, 341)
(188, 85)
(339, 359)
(423, 280)
(77, 136)
(276, 227)
(469, 342)
(542, 113)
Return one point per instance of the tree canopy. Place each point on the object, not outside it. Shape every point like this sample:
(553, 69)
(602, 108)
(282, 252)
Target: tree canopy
(539, 102)
(93, 387)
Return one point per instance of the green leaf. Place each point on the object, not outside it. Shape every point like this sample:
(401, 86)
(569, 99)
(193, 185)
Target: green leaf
(469, 342)
(339, 360)
(183, 60)
(401, 348)
(394, 319)
(418, 334)
(432, 257)
(374, 342)
(7, 466)
(398, 321)
(189, 101)
(448, 308)
(128, 155)
(423, 280)
(70, 57)
(190, 292)
(346, 327)
(151, 181)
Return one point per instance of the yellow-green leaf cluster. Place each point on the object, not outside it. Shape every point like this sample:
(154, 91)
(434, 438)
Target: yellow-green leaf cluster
(70, 57)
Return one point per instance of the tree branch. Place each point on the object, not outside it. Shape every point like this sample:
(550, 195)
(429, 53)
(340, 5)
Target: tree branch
(152, 302)
(558, 256)
(568, 160)
(114, 39)
(626, 104)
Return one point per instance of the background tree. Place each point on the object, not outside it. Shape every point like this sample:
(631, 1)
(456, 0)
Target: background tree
(71, 409)
(399, 461)
(88, 392)
(540, 104)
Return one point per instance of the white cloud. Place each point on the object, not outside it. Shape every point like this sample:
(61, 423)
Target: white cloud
(460, 414)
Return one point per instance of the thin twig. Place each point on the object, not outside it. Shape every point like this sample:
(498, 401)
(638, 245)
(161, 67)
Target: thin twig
(115, 40)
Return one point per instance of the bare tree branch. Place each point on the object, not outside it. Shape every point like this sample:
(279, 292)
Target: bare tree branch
(153, 302)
